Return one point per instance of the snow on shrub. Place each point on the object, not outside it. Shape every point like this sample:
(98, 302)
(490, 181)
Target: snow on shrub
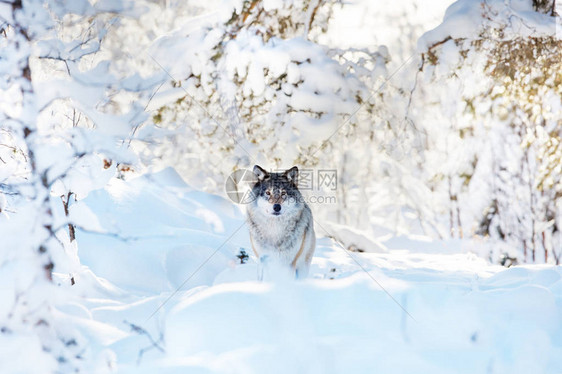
(252, 83)
(63, 132)
(502, 177)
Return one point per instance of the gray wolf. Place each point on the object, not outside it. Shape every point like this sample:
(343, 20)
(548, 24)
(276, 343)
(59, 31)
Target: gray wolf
(280, 222)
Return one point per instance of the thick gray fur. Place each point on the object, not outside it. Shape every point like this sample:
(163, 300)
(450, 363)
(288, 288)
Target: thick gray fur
(279, 236)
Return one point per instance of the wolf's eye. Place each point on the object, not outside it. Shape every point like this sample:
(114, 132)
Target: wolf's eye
(283, 193)
(268, 193)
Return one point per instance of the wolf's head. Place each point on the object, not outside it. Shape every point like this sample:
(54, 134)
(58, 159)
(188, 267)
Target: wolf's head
(277, 193)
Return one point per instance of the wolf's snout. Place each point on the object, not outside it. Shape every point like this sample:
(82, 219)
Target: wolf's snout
(277, 207)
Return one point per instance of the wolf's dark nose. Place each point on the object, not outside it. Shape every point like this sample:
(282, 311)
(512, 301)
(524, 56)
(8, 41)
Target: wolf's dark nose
(277, 207)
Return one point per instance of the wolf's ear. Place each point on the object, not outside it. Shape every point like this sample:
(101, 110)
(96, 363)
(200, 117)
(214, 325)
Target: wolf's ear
(260, 173)
(292, 174)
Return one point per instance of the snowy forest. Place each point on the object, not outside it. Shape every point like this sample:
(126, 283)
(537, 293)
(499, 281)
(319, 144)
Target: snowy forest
(429, 132)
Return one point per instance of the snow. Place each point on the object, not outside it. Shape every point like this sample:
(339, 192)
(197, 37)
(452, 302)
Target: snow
(15, 355)
(370, 23)
(464, 19)
(156, 280)
(441, 310)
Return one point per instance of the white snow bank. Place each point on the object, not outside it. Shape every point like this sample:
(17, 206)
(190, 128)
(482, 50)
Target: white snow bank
(439, 312)
(350, 325)
(156, 225)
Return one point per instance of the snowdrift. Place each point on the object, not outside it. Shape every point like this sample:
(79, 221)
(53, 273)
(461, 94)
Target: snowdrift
(162, 290)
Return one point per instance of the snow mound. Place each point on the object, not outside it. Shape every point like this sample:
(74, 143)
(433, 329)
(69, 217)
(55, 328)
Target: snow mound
(400, 311)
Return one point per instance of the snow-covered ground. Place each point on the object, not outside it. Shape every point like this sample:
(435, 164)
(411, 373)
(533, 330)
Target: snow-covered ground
(162, 291)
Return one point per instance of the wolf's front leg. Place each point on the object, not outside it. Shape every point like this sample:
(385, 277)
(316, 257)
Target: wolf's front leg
(262, 264)
(271, 268)
(301, 272)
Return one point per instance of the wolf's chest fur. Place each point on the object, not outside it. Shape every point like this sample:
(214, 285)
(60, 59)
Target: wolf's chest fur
(276, 233)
